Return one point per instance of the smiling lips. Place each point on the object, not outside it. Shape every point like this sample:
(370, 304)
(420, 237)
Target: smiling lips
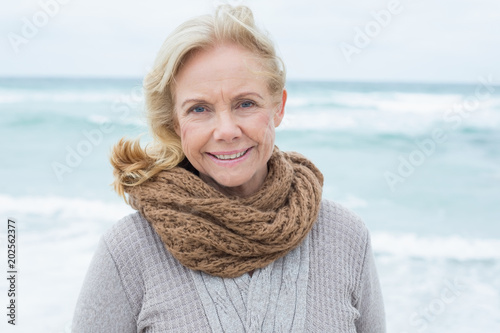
(230, 156)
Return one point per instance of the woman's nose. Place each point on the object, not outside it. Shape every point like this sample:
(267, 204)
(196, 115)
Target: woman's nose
(226, 127)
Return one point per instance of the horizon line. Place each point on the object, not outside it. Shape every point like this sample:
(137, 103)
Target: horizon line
(303, 80)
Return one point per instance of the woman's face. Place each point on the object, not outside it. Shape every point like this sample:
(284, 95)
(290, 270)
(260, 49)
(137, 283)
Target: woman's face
(226, 118)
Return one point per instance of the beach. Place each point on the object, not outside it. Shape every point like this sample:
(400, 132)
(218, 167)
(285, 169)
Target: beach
(419, 163)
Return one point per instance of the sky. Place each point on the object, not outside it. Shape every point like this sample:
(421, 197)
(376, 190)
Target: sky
(447, 41)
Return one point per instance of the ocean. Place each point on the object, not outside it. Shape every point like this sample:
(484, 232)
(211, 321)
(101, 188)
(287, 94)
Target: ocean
(420, 163)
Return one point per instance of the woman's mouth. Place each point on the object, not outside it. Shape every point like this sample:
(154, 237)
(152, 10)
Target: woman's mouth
(232, 156)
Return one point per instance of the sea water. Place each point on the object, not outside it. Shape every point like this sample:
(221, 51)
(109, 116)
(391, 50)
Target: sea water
(420, 163)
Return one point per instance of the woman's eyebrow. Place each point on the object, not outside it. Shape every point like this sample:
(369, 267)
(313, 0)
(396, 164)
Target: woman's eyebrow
(193, 100)
(240, 95)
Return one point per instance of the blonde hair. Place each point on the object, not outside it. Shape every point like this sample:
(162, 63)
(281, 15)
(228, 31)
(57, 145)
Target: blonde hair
(133, 164)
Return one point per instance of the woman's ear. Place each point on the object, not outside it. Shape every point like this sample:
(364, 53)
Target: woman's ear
(278, 116)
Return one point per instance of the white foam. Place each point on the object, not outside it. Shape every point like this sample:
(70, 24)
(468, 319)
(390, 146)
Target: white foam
(297, 101)
(391, 117)
(98, 119)
(62, 208)
(358, 120)
(134, 120)
(317, 120)
(56, 259)
(393, 101)
(434, 247)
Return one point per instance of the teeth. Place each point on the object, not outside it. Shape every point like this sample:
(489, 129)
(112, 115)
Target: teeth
(230, 157)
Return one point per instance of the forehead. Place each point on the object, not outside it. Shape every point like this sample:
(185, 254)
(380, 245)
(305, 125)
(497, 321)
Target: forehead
(225, 64)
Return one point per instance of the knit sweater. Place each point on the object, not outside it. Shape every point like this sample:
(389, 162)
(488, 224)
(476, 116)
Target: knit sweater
(134, 285)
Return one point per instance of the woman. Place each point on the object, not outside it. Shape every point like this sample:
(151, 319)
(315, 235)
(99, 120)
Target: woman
(231, 234)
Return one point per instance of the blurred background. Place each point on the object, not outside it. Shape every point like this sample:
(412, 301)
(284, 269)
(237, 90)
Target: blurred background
(397, 102)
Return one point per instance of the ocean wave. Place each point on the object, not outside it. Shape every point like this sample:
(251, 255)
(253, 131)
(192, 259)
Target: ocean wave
(390, 102)
(72, 94)
(61, 208)
(124, 121)
(404, 245)
(414, 102)
(69, 120)
(397, 102)
(435, 247)
(388, 121)
(321, 120)
(19, 96)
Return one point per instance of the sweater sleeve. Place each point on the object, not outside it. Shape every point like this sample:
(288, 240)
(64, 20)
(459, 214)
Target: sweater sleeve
(369, 302)
(103, 305)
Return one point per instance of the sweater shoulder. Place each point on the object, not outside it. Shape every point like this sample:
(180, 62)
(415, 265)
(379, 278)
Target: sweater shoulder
(130, 237)
(341, 238)
(133, 243)
(337, 220)
(340, 264)
(130, 227)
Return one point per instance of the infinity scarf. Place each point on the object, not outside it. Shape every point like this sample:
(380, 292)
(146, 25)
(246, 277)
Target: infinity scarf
(229, 236)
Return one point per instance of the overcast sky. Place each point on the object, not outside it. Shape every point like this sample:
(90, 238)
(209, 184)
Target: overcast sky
(357, 40)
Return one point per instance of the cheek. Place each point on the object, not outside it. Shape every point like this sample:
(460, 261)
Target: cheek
(188, 136)
(194, 137)
(267, 135)
(266, 131)
(185, 130)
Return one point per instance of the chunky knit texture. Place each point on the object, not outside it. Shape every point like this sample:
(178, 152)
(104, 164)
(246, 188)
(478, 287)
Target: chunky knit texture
(228, 236)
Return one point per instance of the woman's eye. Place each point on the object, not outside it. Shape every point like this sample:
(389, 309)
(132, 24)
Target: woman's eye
(198, 109)
(247, 104)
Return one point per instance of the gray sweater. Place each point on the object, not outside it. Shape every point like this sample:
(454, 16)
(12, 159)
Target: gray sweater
(328, 284)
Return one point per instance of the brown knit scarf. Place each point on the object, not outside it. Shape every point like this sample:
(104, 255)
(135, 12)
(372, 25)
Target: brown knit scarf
(228, 236)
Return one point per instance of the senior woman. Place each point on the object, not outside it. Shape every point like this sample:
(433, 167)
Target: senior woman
(231, 234)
